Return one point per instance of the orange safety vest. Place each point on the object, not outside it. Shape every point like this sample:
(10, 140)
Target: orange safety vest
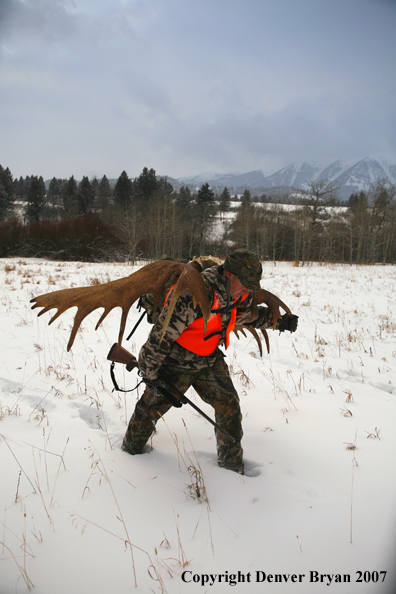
(193, 338)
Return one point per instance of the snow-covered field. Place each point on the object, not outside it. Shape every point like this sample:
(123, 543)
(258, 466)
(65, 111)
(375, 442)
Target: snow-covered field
(317, 509)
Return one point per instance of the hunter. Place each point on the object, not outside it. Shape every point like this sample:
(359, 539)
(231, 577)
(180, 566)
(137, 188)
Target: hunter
(192, 359)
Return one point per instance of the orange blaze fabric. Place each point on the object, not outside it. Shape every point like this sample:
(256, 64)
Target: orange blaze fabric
(193, 337)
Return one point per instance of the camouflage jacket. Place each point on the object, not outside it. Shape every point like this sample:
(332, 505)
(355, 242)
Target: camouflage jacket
(169, 353)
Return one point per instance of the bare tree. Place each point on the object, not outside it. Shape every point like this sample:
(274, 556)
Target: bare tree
(128, 228)
(382, 202)
(319, 194)
(359, 224)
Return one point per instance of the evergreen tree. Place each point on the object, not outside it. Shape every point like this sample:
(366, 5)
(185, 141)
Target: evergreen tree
(7, 180)
(146, 185)
(246, 199)
(246, 222)
(54, 194)
(35, 199)
(164, 188)
(27, 181)
(127, 215)
(3, 202)
(69, 198)
(205, 204)
(85, 196)
(123, 191)
(21, 190)
(7, 192)
(183, 202)
(205, 210)
(54, 199)
(225, 201)
(104, 194)
(95, 186)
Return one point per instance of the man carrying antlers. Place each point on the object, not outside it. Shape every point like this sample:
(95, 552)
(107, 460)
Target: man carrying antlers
(189, 353)
(195, 307)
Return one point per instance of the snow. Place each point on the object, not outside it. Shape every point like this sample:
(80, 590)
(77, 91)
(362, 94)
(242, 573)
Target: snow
(319, 445)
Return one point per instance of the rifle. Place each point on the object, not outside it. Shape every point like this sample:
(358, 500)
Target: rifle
(160, 387)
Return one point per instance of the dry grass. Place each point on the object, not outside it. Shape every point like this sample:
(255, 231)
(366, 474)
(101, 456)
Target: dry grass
(346, 412)
(196, 488)
(156, 564)
(22, 569)
(375, 434)
(98, 465)
(241, 375)
(7, 411)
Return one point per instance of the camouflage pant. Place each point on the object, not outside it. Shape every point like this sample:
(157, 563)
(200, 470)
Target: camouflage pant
(215, 387)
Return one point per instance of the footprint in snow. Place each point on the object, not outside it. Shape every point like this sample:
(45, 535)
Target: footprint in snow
(252, 469)
(96, 419)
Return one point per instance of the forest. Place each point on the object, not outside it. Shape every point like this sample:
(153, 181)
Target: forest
(145, 218)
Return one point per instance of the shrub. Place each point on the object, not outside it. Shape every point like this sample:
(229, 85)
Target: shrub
(87, 238)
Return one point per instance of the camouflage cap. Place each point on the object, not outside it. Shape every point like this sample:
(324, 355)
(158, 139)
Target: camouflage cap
(246, 266)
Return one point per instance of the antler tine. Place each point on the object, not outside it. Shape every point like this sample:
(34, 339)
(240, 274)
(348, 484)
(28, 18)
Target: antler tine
(41, 300)
(256, 336)
(273, 302)
(54, 317)
(80, 315)
(266, 338)
(241, 328)
(122, 325)
(102, 317)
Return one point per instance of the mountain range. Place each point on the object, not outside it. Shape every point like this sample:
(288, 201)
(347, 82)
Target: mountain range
(350, 178)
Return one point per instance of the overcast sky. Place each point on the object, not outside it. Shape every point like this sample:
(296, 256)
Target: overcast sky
(93, 87)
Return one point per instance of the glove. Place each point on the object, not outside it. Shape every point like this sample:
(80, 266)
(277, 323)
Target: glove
(287, 322)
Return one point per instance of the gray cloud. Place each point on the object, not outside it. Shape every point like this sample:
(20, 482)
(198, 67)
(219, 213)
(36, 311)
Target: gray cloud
(98, 86)
(35, 20)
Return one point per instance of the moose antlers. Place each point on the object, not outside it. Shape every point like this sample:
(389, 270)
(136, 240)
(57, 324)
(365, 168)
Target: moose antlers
(152, 279)
(124, 292)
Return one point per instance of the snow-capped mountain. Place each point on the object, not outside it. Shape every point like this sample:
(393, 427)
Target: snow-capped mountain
(350, 178)
(253, 179)
(201, 178)
(334, 170)
(294, 175)
(365, 172)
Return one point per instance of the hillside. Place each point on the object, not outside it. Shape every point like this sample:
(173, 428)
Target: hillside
(349, 177)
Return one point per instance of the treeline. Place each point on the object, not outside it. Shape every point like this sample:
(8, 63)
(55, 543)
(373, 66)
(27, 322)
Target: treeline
(145, 218)
(141, 218)
(363, 232)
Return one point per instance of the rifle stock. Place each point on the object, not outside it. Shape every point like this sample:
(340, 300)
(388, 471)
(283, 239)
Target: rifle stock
(118, 354)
